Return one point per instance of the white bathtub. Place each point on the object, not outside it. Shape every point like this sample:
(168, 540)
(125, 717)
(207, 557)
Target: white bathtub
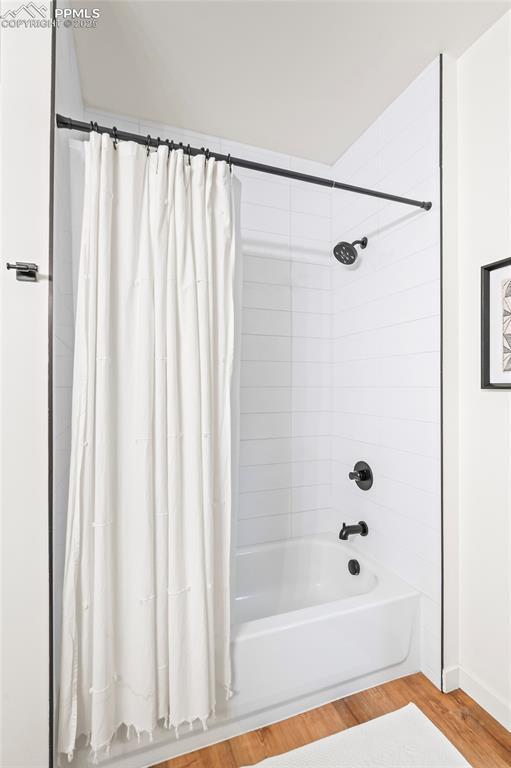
(305, 632)
(303, 623)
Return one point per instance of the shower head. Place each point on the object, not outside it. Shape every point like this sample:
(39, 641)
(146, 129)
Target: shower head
(346, 253)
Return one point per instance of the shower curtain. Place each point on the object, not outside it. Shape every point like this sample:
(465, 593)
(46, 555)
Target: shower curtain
(146, 620)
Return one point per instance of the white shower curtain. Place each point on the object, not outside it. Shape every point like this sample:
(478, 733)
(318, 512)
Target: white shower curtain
(145, 637)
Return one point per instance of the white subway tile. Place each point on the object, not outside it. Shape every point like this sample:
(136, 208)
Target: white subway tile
(313, 250)
(311, 398)
(310, 325)
(310, 300)
(267, 270)
(264, 503)
(265, 374)
(263, 218)
(310, 424)
(310, 497)
(313, 522)
(263, 189)
(264, 296)
(265, 245)
(262, 451)
(311, 350)
(310, 227)
(255, 347)
(311, 473)
(308, 199)
(265, 425)
(266, 400)
(266, 322)
(311, 374)
(313, 448)
(258, 530)
(265, 477)
(311, 275)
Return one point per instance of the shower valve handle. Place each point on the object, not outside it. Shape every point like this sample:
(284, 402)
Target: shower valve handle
(362, 474)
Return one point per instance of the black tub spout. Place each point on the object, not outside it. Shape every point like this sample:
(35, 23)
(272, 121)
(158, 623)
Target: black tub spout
(360, 528)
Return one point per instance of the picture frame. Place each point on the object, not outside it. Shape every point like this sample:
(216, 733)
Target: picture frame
(496, 325)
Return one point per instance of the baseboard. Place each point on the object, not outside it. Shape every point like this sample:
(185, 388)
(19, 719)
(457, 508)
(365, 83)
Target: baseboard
(451, 679)
(487, 698)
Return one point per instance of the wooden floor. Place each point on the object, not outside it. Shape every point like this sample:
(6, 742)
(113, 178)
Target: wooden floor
(483, 742)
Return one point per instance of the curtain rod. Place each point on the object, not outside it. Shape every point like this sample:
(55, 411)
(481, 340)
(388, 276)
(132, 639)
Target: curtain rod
(78, 125)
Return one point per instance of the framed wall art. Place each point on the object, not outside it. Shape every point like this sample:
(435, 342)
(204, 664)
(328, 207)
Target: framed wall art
(496, 325)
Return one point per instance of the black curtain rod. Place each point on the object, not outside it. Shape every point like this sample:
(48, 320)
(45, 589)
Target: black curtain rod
(79, 125)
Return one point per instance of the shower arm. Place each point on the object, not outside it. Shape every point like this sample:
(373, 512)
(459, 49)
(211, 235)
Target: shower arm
(149, 141)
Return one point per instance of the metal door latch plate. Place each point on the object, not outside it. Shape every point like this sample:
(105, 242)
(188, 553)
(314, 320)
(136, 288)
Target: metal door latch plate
(25, 271)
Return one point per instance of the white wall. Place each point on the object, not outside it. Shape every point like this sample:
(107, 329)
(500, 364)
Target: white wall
(25, 107)
(386, 350)
(484, 439)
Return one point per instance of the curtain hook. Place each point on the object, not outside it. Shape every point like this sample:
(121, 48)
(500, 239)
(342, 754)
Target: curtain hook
(148, 143)
(114, 135)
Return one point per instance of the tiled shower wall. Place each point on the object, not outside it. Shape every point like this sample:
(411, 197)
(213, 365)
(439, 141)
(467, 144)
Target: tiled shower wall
(285, 369)
(386, 350)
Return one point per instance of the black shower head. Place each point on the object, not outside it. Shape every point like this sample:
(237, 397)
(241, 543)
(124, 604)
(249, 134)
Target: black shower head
(346, 253)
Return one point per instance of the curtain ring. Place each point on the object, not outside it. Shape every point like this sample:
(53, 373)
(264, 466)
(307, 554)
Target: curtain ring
(189, 154)
(229, 161)
(94, 126)
(148, 143)
(167, 142)
(114, 136)
(207, 153)
(158, 142)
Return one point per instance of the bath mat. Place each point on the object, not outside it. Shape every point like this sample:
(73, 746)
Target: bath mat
(402, 739)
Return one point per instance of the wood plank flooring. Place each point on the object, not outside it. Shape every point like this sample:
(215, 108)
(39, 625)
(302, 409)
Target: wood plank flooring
(482, 741)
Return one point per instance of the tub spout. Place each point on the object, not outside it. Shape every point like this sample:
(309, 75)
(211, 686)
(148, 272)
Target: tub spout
(350, 530)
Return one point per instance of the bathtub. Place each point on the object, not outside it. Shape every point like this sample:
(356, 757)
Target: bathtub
(304, 624)
(305, 632)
